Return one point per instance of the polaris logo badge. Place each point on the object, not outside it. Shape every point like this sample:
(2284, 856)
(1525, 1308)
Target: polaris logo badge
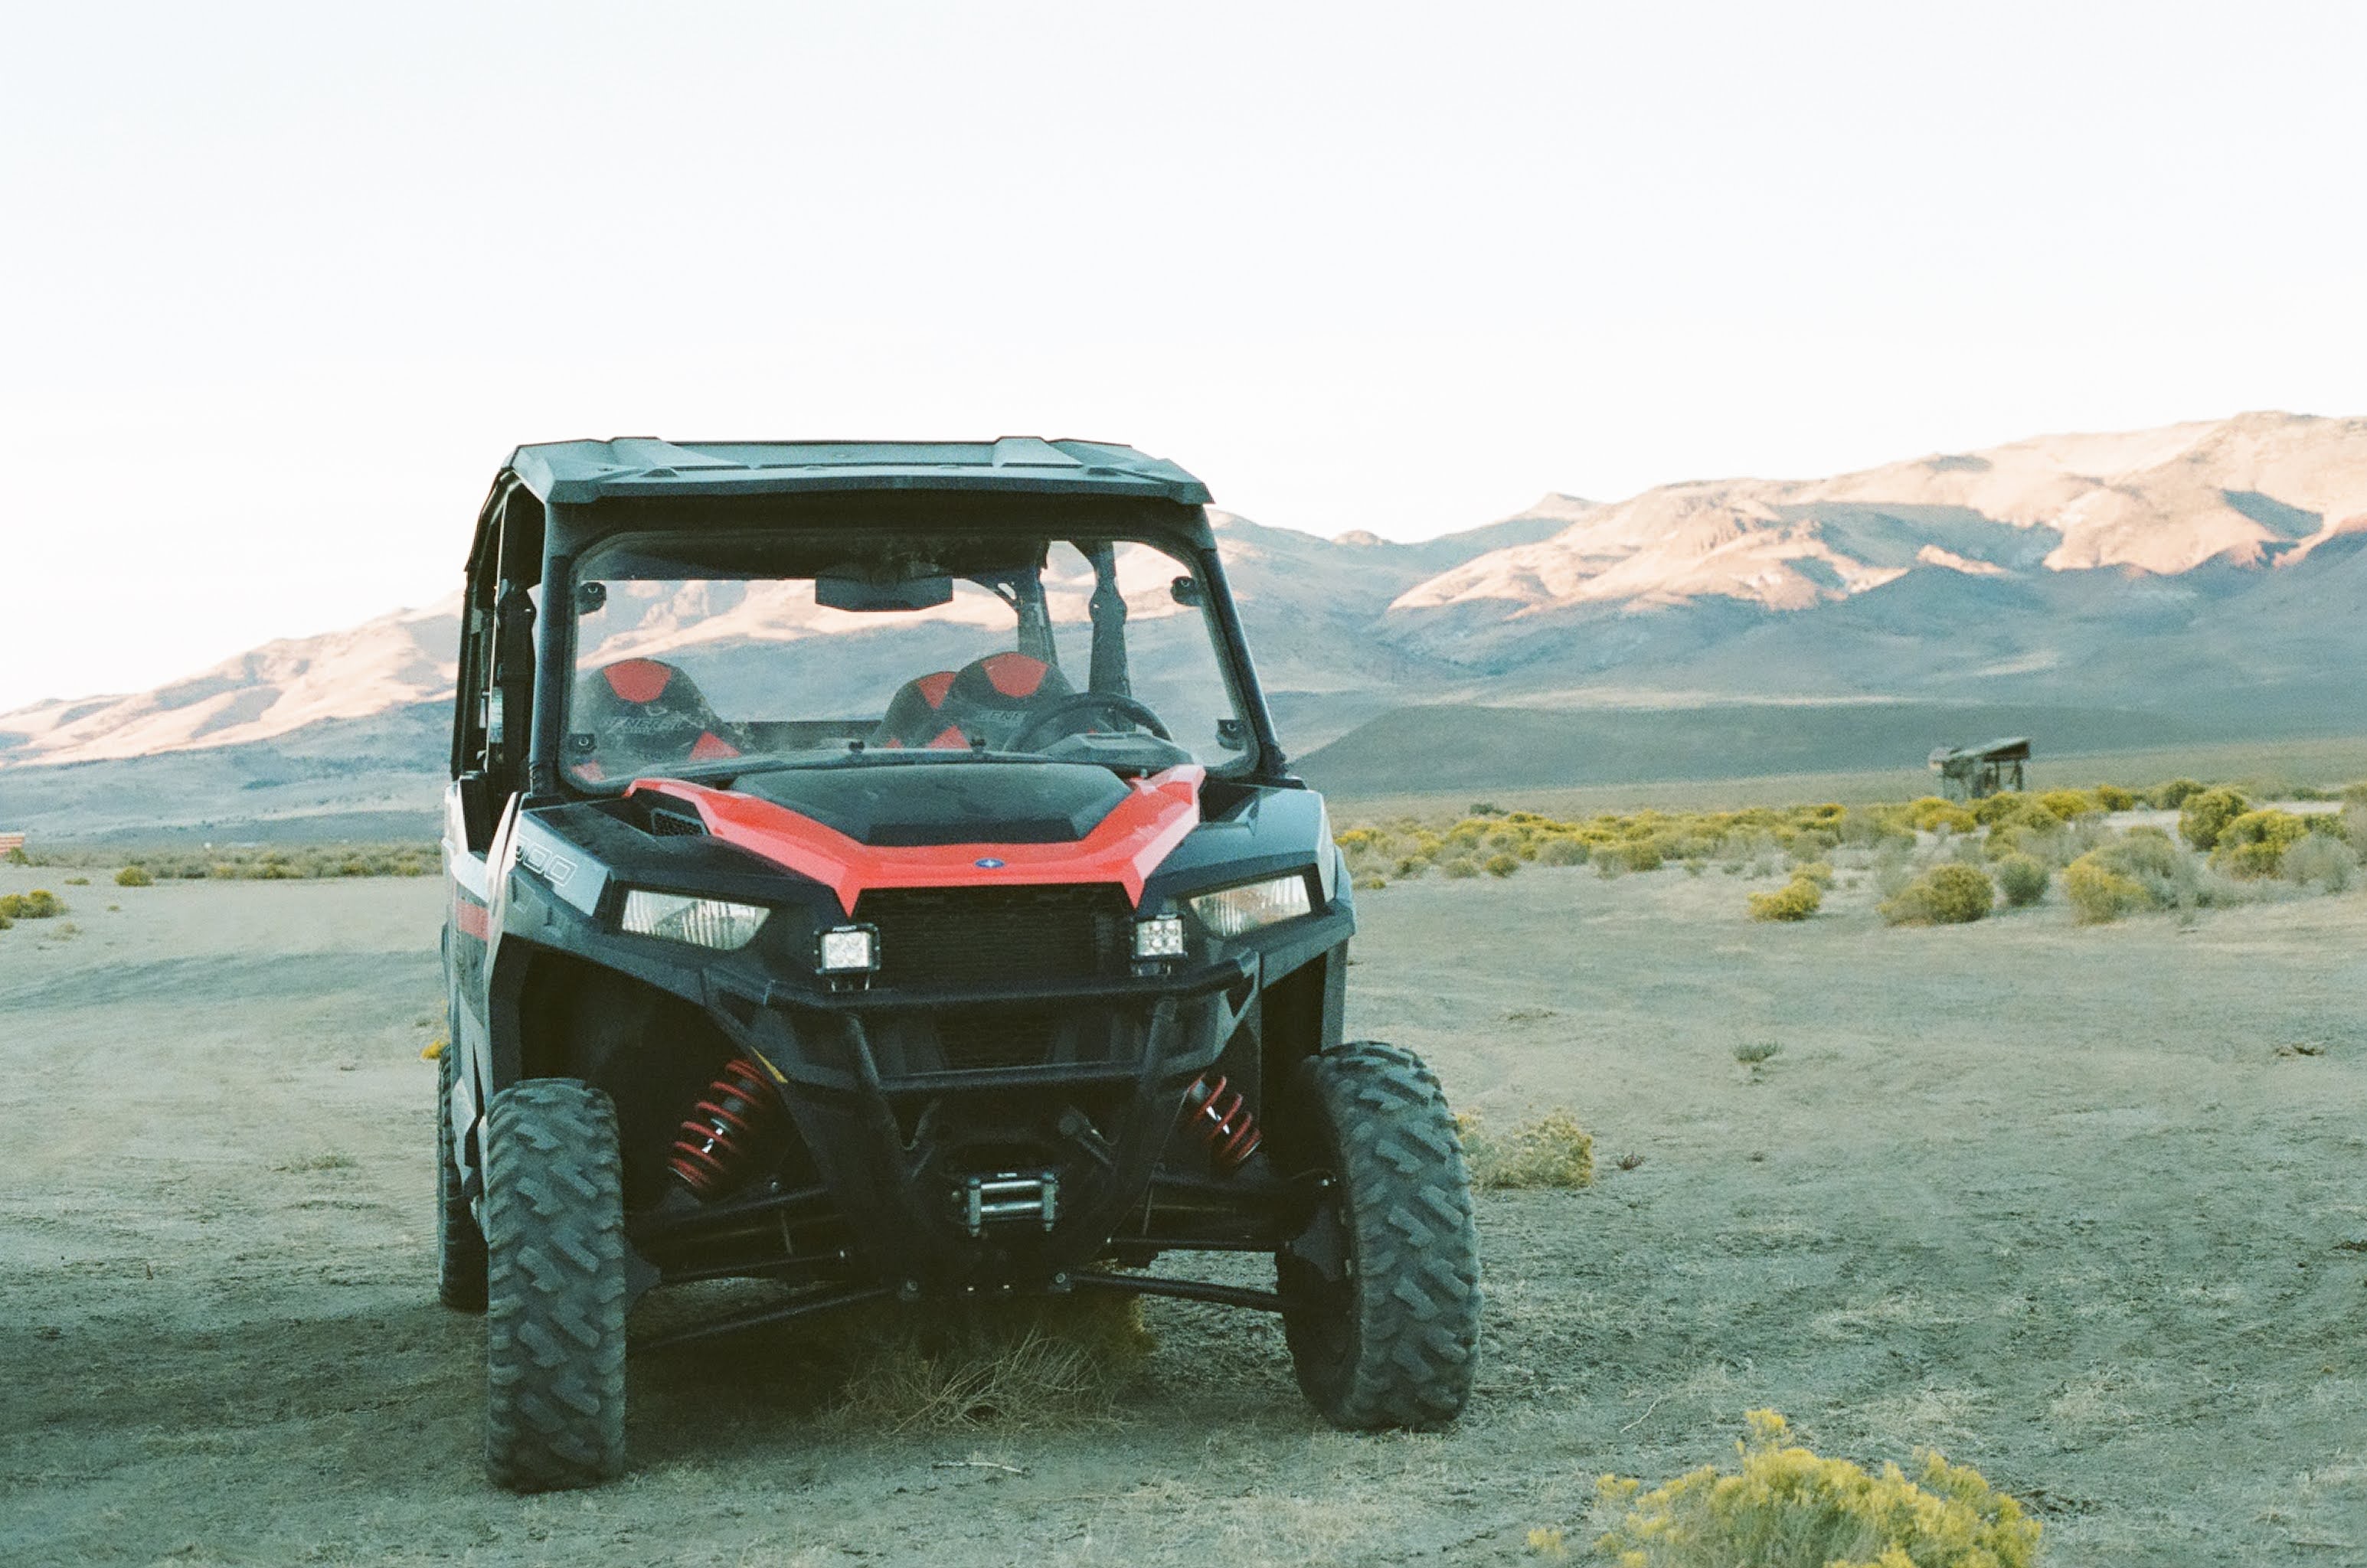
(987, 862)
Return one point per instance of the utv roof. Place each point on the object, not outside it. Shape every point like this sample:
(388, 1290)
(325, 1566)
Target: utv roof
(576, 472)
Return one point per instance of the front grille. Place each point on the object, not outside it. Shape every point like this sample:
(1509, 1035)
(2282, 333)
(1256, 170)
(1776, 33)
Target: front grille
(953, 938)
(970, 1038)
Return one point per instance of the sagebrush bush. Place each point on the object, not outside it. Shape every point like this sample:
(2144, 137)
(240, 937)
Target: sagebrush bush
(1500, 865)
(40, 904)
(1819, 871)
(1553, 1151)
(2320, 861)
(1786, 1507)
(2205, 815)
(2112, 797)
(2021, 879)
(134, 876)
(2173, 794)
(1460, 868)
(1795, 900)
(1563, 849)
(1950, 895)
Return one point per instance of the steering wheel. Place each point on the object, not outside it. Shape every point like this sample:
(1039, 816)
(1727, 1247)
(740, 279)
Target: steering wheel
(1075, 703)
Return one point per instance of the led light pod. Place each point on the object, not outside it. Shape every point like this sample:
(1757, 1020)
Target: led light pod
(1162, 937)
(1236, 911)
(702, 922)
(847, 950)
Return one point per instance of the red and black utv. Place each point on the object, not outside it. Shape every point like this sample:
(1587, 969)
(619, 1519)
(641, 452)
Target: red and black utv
(872, 870)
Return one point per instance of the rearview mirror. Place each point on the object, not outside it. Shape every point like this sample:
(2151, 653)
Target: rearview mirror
(852, 590)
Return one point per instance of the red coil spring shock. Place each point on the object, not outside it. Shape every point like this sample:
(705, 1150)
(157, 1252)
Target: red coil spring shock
(1220, 1118)
(726, 1129)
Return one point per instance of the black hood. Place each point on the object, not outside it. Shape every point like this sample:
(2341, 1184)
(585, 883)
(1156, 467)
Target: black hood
(913, 804)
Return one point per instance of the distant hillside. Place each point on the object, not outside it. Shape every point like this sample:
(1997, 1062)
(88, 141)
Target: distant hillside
(1461, 746)
(2202, 581)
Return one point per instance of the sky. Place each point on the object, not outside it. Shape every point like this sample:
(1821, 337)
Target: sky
(282, 286)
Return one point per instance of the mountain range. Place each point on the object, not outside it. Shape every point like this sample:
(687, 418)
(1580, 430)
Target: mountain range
(2208, 576)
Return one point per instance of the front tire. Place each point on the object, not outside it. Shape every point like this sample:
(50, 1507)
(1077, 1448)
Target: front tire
(556, 1288)
(460, 1245)
(1381, 1297)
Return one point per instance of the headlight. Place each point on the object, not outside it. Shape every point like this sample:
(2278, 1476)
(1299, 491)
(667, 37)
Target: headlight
(702, 922)
(1160, 938)
(1236, 911)
(847, 950)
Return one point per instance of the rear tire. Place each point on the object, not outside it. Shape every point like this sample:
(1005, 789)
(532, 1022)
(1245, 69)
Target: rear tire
(557, 1289)
(460, 1245)
(1390, 1335)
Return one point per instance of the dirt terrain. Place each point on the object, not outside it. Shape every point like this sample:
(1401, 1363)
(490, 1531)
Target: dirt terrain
(2087, 1208)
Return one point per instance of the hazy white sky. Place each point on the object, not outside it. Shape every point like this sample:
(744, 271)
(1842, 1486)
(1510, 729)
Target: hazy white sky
(281, 286)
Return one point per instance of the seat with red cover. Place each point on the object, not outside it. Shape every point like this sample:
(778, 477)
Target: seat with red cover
(916, 715)
(993, 699)
(638, 712)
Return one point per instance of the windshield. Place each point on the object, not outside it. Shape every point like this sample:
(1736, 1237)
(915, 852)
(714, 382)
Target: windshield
(730, 654)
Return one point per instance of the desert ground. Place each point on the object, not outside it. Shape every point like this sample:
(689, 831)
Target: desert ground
(2085, 1207)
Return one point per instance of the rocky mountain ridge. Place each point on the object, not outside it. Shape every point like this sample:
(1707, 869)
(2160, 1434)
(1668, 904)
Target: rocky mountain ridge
(2153, 570)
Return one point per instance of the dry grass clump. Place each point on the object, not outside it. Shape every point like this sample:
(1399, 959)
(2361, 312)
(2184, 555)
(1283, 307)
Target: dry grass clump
(1795, 900)
(1950, 895)
(1037, 1361)
(1785, 1508)
(1553, 1151)
(2023, 879)
(134, 876)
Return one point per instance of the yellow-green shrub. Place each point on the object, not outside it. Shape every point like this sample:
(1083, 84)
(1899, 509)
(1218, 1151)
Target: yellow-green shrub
(1819, 871)
(1950, 895)
(2069, 804)
(2255, 844)
(1501, 864)
(2112, 797)
(40, 904)
(1796, 900)
(134, 876)
(1785, 1508)
(2023, 879)
(2098, 894)
(2173, 794)
(1459, 868)
(1553, 1151)
(1932, 813)
(2206, 815)
(1563, 849)
(2012, 807)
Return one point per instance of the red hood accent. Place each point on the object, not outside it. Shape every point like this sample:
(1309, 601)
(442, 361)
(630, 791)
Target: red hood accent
(1125, 846)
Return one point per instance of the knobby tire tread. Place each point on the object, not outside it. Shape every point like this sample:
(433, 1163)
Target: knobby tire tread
(557, 1288)
(1398, 1346)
